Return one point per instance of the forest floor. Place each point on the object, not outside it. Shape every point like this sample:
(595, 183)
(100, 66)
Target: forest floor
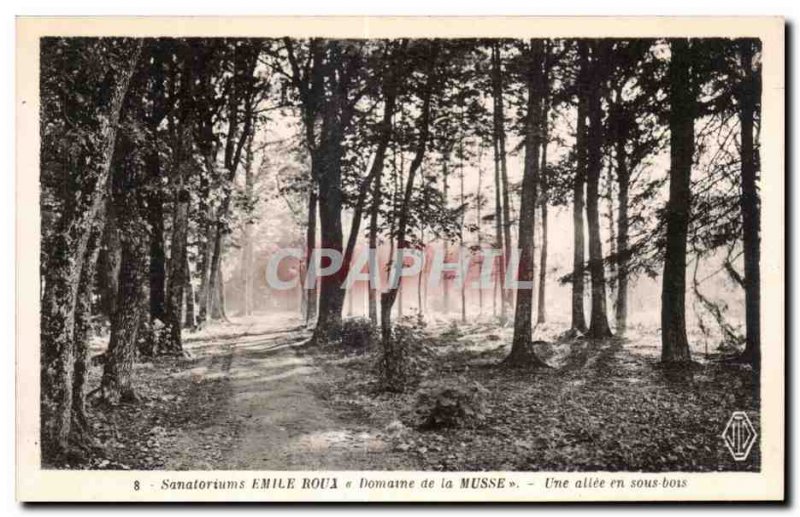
(253, 396)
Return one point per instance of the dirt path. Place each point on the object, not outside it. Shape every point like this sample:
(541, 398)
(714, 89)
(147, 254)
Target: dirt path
(264, 414)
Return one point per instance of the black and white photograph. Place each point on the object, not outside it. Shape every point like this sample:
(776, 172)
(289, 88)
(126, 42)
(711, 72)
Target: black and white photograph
(427, 253)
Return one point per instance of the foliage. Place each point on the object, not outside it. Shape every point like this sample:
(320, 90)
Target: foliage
(406, 359)
(451, 403)
(357, 335)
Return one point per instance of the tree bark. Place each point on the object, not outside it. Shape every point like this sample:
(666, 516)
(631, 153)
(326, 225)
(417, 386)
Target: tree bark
(62, 274)
(247, 233)
(116, 384)
(598, 323)
(541, 315)
(500, 135)
(674, 344)
(579, 252)
(188, 293)
(155, 216)
(178, 273)
(623, 184)
(749, 94)
(83, 330)
(373, 246)
(311, 244)
(522, 353)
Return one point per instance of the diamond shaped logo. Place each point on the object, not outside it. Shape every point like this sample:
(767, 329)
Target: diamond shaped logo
(739, 435)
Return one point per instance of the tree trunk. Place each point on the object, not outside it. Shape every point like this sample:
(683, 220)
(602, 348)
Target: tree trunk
(522, 353)
(206, 254)
(500, 180)
(178, 273)
(541, 315)
(331, 295)
(598, 324)
(579, 252)
(61, 275)
(188, 292)
(311, 244)
(373, 180)
(108, 263)
(623, 182)
(674, 344)
(501, 145)
(116, 384)
(83, 330)
(373, 247)
(247, 233)
(219, 311)
(750, 92)
(155, 216)
(128, 196)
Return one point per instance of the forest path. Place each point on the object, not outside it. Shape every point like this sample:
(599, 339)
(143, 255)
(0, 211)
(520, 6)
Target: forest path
(264, 412)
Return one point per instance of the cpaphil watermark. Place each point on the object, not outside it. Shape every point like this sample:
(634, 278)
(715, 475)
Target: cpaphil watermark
(406, 262)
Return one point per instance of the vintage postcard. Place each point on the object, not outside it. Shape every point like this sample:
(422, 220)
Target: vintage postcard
(400, 259)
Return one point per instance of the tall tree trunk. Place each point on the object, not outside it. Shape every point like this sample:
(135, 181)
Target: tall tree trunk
(215, 266)
(155, 216)
(219, 311)
(612, 230)
(373, 248)
(247, 233)
(507, 296)
(331, 295)
(206, 244)
(579, 252)
(61, 274)
(750, 92)
(188, 292)
(674, 344)
(522, 353)
(541, 315)
(83, 330)
(598, 323)
(108, 263)
(128, 197)
(462, 204)
(311, 244)
(178, 272)
(502, 237)
(478, 225)
(446, 244)
(623, 183)
(116, 384)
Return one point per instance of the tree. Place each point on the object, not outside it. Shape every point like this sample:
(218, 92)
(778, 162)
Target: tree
(522, 353)
(180, 123)
(326, 82)
(429, 55)
(682, 99)
(579, 253)
(543, 198)
(72, 206)
(749, 97)
(502, 217)
(598, 321)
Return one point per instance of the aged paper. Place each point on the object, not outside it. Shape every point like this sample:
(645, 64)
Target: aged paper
(204, 148)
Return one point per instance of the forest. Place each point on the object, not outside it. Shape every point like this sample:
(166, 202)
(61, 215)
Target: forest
(453, 254)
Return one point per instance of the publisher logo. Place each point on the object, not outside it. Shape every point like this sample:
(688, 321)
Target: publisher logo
(739, 435)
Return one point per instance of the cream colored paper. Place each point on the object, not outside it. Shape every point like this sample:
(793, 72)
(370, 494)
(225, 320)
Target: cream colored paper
(34, 484)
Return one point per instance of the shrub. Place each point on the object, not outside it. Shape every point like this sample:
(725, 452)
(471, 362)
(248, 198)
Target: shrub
(406, 359)
(441, 404)
(357, 335)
